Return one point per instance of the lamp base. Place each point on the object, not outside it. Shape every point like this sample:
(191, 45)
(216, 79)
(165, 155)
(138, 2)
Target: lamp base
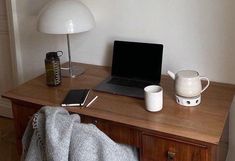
(76, 71)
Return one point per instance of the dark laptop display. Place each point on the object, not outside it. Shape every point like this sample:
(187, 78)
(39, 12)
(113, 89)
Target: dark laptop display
(135, 65)
(139, 61)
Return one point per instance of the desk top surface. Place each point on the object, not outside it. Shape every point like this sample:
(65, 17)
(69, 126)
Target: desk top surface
(204, 122)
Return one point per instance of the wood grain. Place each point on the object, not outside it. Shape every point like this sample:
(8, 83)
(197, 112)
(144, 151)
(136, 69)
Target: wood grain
(118, 132)
(160, 149)
(204, 122)
(22, 114)
(197, 132)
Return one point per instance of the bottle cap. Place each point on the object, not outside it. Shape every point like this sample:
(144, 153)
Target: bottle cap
(51, 55)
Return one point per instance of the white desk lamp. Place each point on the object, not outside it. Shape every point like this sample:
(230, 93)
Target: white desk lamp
(66, 17)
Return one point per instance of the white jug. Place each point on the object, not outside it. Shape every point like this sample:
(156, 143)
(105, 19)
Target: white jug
(188, 83)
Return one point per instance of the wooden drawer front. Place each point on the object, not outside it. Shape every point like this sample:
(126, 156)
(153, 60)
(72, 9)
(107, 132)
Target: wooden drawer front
(117, 132)
(22, 115)
(161, 149)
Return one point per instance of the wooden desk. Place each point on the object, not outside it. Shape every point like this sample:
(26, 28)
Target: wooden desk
(176, 133)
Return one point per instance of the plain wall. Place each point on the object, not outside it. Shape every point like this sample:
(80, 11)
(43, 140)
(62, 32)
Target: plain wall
(197, 34)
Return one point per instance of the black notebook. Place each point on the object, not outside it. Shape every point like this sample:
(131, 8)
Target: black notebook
(75, 97)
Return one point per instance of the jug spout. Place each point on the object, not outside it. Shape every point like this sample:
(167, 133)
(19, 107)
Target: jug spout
(171, 74)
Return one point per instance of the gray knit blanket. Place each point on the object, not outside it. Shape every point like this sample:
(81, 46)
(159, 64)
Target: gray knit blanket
(55, 135)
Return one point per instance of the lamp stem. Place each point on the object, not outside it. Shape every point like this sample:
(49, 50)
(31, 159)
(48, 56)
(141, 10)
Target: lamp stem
(72, 71)
(70, 63)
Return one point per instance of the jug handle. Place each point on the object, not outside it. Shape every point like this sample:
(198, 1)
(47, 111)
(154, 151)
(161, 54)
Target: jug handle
(208, 83)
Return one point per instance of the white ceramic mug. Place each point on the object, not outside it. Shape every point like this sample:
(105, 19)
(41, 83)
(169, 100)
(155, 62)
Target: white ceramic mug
(153, 98)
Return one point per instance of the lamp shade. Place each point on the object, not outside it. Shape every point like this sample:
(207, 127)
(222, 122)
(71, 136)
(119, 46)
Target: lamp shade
(65, 17)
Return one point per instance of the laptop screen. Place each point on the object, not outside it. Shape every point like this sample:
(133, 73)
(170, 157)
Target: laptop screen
(134, 60)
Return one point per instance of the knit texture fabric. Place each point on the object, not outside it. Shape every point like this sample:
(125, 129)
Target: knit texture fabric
(55, 135)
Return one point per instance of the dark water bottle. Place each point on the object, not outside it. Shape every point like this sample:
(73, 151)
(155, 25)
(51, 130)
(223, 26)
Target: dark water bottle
(52, 65)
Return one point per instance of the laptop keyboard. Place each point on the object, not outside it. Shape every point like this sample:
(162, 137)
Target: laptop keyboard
(129, 83)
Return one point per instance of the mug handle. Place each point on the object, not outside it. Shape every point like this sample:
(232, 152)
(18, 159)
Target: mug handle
(208, 83)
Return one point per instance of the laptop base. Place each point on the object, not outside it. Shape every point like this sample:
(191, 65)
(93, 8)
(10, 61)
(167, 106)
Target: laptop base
(130, 91)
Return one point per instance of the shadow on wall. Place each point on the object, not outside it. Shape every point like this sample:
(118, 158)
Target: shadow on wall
(107, 59)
